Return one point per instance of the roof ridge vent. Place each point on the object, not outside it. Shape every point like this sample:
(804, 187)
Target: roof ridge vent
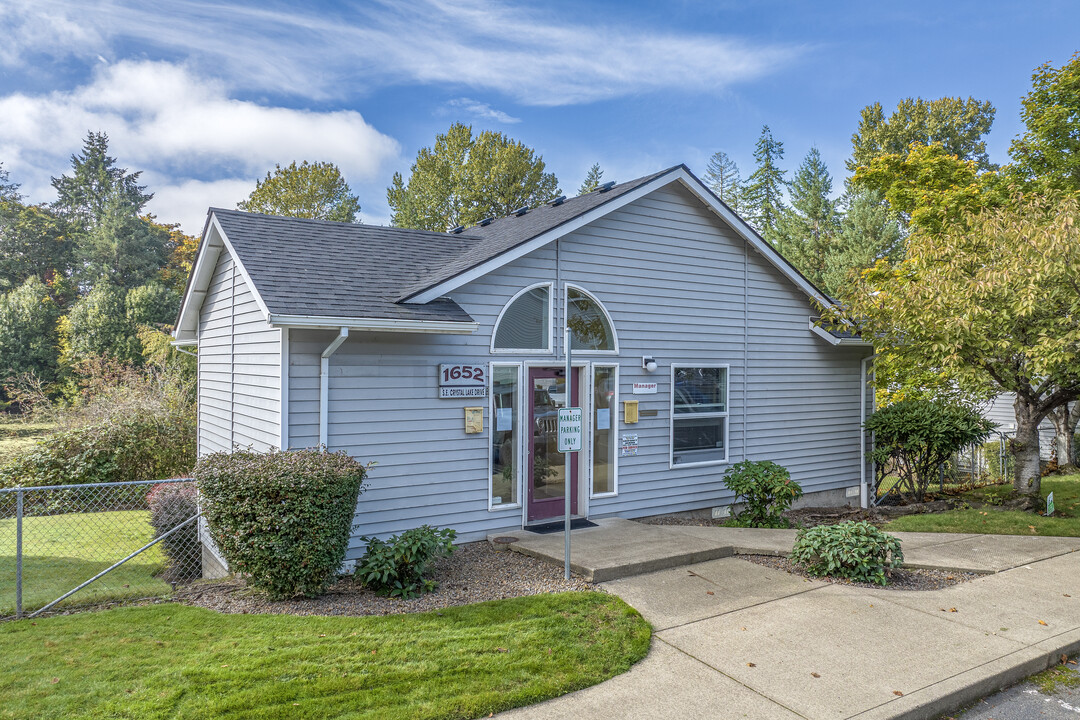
(486, 221)
(520, 211)
(606, 186)
(558, 201)
(457, 229)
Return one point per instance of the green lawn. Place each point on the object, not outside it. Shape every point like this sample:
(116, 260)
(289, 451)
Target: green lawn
(17, 436)
(61, 551)
(995, 521)
(174, 661)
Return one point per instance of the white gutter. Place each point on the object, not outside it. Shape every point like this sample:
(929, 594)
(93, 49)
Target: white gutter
(319, 322)
(833, 340)
(864, 490)
(324, 382)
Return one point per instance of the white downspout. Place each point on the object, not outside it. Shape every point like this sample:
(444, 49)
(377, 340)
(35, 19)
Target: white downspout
(324, 382)
(864, 490)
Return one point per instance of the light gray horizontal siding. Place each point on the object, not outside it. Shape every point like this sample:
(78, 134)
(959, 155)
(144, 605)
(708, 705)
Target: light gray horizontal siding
(1000, 411)
(239, 367)
(671, 275)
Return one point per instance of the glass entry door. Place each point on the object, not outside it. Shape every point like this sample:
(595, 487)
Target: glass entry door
(547, 469)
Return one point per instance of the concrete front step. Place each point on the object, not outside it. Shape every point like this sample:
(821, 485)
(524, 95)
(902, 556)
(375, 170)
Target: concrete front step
(619, 548)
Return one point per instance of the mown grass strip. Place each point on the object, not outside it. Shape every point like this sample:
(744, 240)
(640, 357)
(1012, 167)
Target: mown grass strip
(174, 661)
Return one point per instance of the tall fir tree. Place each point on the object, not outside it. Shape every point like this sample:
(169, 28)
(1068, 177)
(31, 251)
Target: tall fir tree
(95, 184)
(869, 232)
(592, 179)
(722, 177)
(807, 229)
(764, 196)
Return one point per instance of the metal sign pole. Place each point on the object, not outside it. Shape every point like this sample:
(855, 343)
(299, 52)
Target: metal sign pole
(566, 459)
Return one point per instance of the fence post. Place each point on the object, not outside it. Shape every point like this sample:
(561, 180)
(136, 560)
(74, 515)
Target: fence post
(18, 553)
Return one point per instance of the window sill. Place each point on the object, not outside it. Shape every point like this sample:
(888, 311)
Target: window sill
(604, 496)
(705, 463)
(497, 508)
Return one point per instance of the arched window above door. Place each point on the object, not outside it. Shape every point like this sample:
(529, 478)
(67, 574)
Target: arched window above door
(524, 325)
(589, 322)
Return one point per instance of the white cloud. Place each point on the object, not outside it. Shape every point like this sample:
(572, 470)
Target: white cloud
(183, 129)
(481, 110)
(526, 53)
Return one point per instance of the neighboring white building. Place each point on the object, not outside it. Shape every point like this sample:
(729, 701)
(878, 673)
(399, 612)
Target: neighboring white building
(440, 356)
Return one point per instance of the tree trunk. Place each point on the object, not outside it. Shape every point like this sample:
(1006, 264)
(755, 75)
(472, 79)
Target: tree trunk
(1063, 440)
(1025, 448)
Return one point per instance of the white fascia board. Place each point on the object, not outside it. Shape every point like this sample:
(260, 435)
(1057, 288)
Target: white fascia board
(184, 343)
(833, 340)
(318, 322)
(539, 241)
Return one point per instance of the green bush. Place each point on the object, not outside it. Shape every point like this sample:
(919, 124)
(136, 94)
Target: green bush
(855, 551)
(914, 438)
(144, 445)
(765, 489)
(170, 505)
(396, 566)
(282, 518)
(992, 454)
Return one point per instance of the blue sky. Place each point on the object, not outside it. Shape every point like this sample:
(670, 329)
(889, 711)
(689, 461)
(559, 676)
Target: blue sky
(206, 97)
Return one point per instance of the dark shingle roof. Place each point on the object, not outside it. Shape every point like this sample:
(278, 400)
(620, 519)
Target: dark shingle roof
(330, 269)
(505, 234)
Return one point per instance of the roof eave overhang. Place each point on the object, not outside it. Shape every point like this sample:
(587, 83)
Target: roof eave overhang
(321, 322)
(213, 241)
(679, 173)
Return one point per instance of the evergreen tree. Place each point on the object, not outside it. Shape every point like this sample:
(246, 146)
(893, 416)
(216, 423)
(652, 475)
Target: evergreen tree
(869, 232)
(764, 196)
(9, 191)
(807, 229)
(592, 180)
(722, 177)
(123, 249)
(463, 179)
(28, 338)
(309, 190)
(96, 184)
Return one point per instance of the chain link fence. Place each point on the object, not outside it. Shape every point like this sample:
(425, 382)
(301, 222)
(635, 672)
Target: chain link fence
(68, 546)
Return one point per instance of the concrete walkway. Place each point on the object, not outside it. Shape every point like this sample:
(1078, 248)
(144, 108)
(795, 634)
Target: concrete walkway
(738, 640)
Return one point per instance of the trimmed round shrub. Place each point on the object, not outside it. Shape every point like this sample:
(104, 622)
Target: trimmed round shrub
(171, 504)
(282, 518)
(855, 551)
(765, 490)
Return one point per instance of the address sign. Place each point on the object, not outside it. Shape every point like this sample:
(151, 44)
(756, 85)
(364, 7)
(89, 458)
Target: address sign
(462, 381)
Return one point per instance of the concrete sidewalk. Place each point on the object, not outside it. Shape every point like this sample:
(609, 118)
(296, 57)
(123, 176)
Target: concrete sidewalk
(738, 640)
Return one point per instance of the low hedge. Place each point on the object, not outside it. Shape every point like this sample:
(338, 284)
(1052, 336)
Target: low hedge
(282, 518)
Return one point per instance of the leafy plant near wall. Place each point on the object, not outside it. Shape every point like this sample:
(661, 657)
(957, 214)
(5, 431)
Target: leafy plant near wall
(914, 438)
(396, 567)
(765, 489)
(855, 551)
(283, 518)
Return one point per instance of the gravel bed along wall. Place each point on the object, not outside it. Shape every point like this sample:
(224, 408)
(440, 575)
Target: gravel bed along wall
(474, 573)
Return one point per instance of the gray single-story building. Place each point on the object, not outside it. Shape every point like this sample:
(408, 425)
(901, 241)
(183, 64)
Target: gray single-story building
(440, 356)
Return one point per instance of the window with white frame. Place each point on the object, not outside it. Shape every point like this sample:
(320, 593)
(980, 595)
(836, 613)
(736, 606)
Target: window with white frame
(588, 321)
(699, 414)
(525, 322)
(605, 388)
